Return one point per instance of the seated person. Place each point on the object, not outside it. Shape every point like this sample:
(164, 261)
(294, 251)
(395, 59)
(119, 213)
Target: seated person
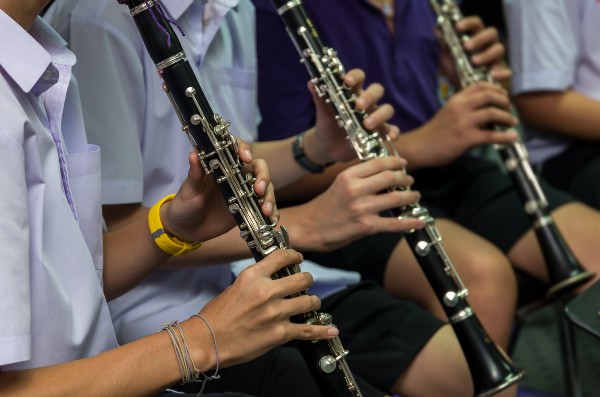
(59, 270)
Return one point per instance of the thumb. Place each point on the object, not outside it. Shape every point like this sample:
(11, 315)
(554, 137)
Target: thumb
(321, 107)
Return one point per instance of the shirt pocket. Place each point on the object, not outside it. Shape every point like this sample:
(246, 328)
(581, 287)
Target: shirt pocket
(84, 180)
(232, 94)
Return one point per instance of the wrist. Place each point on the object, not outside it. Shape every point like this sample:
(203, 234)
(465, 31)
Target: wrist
(162, 234)
(309, 154)
(201, 344)
(304, 235)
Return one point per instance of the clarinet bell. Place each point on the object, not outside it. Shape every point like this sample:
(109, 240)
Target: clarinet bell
(491, 369)
(564, 271)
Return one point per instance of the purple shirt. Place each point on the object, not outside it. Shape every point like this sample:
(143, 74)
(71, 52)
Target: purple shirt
(404, 62)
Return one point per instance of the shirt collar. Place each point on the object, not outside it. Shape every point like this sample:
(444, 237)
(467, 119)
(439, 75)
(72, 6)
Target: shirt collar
(42, 46)
(176, 8)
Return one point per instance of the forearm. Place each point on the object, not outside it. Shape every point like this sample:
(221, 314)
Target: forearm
(226, 248)
(412, 147)
(567, 112)
(231, 247)
(310, 185)
(142, 368)
(284, 169)
(130, 255)
(300, 227)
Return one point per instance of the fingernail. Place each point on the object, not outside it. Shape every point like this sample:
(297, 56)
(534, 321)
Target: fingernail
(333, 332)
(248, 153)
(350, 80)
(262, 186)
(269, 206)
(475, 59)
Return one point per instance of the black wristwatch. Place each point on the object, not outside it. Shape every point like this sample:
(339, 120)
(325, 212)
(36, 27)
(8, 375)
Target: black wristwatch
(302, 160)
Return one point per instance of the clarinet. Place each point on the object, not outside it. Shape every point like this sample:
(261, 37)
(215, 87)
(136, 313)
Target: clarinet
(565, 272)
(217, 150)
(490, 369)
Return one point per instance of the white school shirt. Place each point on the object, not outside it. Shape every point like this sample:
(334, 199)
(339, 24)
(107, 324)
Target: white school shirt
(554, 45)
(144, 149)
(51, 301)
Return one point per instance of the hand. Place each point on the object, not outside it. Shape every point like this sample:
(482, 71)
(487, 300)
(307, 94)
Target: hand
(199, 212)
(486, 48)
(328, 141)
(463, 123)
(253, 315)
(350, 208)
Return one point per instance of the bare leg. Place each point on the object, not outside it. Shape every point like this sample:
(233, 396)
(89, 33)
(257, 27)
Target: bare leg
(440, 369)
(485, 271)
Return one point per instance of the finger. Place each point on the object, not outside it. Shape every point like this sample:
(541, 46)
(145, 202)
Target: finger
(379, 117)
(387, 179)
(492, 115)
(322, 108)
(508, 136)
(472, 24)
(375, 166)
(195, 172)
(485, 98)
(268, 207)
(260, 169)
(493, 54)
(482, 40)
(401, 224)
(299, 305)
(311, 332)
(278, 260)
(354, 79)
(293, 284)
(389, 201)
(501, 73)
(391, 130)
(369, 97)
(482, 86)
(244, 151)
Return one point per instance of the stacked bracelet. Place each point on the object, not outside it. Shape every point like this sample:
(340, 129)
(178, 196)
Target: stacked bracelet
(169, 244)
(215, 374)
(302, 159)
(187, 367)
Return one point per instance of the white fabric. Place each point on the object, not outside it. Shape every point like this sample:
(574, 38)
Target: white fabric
(130, 117)
(51, 302)
(553, 46)
(329, 280)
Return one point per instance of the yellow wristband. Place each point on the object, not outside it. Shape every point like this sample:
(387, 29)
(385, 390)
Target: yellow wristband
(169, 244)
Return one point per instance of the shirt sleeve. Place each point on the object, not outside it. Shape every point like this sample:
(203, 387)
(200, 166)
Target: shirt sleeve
(542, 46)
(15, 309)
(110, 74)
(286, 105)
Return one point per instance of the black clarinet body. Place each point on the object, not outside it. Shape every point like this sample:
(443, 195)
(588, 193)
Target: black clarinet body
(217, 150)
(564, 271)
(490, 369)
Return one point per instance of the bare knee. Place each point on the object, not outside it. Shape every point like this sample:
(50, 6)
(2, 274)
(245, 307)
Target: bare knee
(439, 369)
